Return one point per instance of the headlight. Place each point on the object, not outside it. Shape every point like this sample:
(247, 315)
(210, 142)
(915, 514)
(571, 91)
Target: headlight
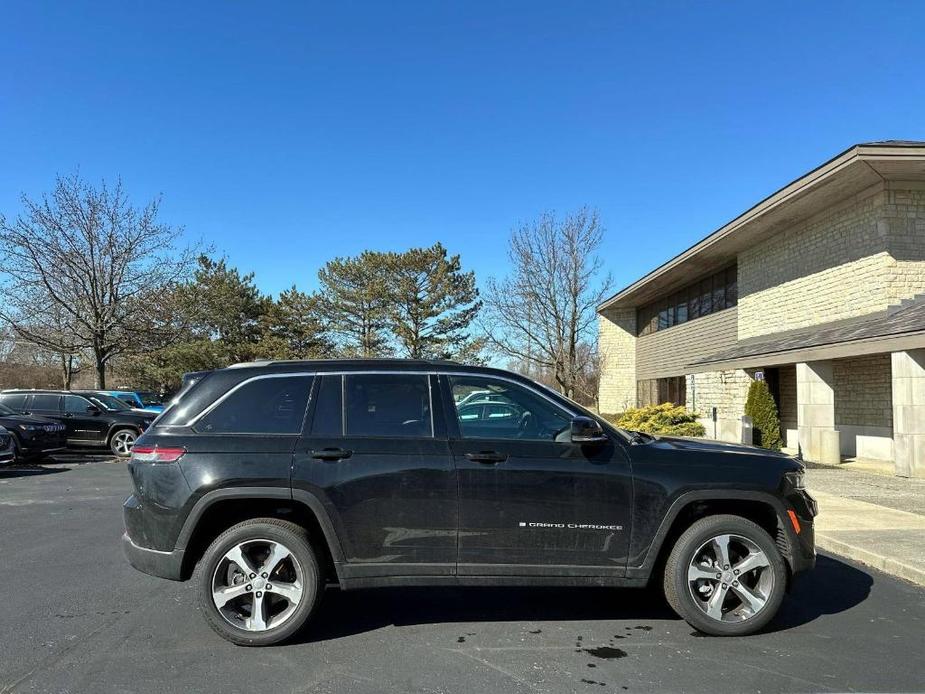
(796, 480)
(30, 427)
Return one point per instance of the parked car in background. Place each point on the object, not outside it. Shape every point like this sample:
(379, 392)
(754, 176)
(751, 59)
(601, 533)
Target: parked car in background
(7, 455)
(138, 399)
(32, 437)
(90, 418)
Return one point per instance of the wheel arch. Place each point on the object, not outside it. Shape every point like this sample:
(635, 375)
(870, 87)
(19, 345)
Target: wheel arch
(762, 508)
(220, 509)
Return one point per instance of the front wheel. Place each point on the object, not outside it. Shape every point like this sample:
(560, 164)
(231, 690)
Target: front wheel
(725, 576)
(121, 442)
(259, 582)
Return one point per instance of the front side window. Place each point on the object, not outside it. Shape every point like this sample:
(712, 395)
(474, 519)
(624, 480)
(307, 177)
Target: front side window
(390, 405)
(507, 411)
(109, 403)
(270, 405)
(74, 404)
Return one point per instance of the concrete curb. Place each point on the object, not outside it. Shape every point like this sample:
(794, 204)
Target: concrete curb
(872, 559)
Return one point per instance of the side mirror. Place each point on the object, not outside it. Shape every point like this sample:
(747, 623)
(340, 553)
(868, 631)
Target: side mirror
(93, 409)
(587, 430)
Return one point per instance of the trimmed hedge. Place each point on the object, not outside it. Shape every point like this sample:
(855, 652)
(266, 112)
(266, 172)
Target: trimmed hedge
(667, 419)
(760, 406)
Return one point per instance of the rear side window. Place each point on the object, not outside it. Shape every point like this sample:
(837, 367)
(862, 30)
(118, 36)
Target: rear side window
(15, 401)
(274, 405)
(392, 405)
(45, 402)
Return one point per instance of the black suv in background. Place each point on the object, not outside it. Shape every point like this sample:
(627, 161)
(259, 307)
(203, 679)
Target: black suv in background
(32, 437)
(89, 419)
(279, 478)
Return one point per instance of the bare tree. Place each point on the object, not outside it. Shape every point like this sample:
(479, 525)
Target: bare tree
(543, 314)
(83, 271)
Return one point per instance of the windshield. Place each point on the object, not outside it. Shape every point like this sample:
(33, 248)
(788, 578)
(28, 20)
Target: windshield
(108, 402)
(148, 398)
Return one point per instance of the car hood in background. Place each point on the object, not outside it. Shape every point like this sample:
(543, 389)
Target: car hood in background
(712, 446)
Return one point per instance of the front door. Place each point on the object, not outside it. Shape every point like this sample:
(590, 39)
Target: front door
(531, 502)
(377, 457)
(81, 423)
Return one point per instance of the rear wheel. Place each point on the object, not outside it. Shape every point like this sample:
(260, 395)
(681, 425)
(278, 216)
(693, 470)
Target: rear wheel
(121, 442)
(725, 576)
(259, 582)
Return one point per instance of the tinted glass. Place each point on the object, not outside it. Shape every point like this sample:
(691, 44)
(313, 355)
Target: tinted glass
(15, 401)
(514, 412)
(329, 411)
(5, 410)
(74, 404)
(108, 402)
(732, 287)
(45, 403)
(388, 405)
(719, 291)
(263, 406)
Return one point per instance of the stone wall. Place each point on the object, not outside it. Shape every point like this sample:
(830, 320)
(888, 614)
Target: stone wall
(833, 266)
(725, 390)
(904, 218)
(617, 345)
(863, 391)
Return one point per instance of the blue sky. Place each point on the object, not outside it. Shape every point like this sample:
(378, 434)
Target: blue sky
(288, 133)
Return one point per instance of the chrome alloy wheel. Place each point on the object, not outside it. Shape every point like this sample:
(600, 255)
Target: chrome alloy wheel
(122, 442)
(730, 578)
(257, 585)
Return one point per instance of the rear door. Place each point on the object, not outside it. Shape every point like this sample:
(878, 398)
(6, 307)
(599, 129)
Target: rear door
(45, 405)
(531, 502)
(376, 456)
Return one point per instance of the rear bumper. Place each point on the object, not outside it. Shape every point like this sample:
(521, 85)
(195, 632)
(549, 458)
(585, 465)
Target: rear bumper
(152, 561)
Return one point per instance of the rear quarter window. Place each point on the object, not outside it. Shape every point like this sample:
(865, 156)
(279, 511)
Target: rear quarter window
(264, 405)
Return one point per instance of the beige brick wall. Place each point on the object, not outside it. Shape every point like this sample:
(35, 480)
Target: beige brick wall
(667, 352)
(856, 257)
(833, 266)
(617, 345)
(863, 391)
(725, 390)
(904, 215)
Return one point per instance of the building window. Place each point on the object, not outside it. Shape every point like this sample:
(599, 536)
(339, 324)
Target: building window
(655, 391)
(709, 295)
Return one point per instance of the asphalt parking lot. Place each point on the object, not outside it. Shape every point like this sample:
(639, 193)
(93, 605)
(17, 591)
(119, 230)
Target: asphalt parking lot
(76, 618)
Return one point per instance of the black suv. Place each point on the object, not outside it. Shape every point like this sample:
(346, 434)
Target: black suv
(89, 418)
(280, 478)
(32, 437)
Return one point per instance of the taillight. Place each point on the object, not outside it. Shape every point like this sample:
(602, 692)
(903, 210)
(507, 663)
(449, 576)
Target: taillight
(156, 454)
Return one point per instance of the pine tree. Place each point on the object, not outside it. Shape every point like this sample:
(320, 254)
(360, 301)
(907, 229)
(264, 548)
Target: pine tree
(760, 406)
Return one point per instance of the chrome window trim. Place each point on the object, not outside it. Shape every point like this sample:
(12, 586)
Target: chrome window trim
(391, 372)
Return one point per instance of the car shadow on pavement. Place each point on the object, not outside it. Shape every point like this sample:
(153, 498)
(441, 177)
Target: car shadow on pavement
(346, 613)
(833, 587)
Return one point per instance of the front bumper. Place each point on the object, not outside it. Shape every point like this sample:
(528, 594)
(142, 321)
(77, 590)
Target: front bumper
(803, 543)
(152, 561)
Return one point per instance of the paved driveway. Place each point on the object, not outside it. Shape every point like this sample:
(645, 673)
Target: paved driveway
(76, 618)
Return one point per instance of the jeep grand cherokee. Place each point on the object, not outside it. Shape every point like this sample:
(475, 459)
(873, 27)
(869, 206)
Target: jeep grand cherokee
(276, 479)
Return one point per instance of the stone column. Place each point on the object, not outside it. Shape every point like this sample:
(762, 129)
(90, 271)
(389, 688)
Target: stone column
(816, 411)
(617, 344)
(909, 412)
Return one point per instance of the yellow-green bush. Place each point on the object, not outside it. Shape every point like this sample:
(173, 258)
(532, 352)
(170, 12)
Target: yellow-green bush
(668, 419)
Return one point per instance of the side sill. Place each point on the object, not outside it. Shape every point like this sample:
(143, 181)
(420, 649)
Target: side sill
(491, 581)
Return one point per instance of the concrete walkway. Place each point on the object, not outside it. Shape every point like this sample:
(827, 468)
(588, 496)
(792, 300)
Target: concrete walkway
(872, 518)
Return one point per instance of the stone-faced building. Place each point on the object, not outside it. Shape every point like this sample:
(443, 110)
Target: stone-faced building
(819, 289)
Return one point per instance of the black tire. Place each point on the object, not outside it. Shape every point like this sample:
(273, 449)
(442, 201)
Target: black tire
(117, 436)
(294, 538)
(677, 586)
